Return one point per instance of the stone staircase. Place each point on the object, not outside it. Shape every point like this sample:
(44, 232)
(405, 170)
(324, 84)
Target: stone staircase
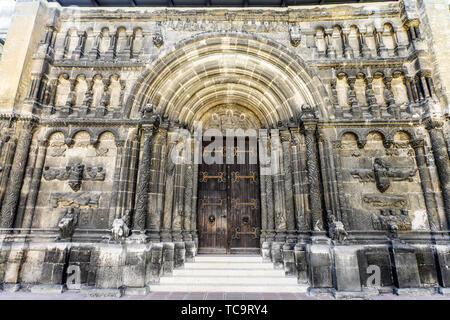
(228, 273)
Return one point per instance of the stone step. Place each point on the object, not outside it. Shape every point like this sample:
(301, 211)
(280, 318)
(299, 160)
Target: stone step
(228, 265)
(224, 287)
(229, 272)
(228, 258)
(215, 280)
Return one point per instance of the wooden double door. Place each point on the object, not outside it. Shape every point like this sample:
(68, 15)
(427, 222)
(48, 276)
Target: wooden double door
(228, 217)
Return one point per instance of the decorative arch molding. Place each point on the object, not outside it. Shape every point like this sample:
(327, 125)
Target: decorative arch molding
(210, 68)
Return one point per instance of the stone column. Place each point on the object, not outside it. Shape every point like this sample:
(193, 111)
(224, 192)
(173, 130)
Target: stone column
(161, 177)
(187, 234)
(133, 174)
(415, 95)
(297, 173)
(348, 50)
(14, 185)
(425, 180)
(168, 190)
(144, 180)
(154, 217)
(124, 174)
(374, 108)
(408, 89)
(424, 86)
(35, 184)
(278, 191)
(441, 159)
(178, 203)
(288, 185)
(118, 168)
(329, 49)
(188, 183)
(194, 206)
(336, 145)
(309, 127)
(381, 47)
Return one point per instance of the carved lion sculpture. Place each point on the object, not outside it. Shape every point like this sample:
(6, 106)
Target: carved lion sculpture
(336, 229)
(393, 229)
(120, 228)
(67, 223)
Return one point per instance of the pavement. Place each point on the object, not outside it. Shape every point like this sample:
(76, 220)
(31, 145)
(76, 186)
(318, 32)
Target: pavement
(74, 295)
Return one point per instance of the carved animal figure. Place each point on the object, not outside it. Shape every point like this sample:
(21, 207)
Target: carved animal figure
(336, 229)
(120, 228)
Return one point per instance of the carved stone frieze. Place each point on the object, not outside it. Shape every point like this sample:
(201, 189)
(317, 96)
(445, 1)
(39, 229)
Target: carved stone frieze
(385, 201)
(76, 200)
(382, 174)
(75, 174)
(392, 220)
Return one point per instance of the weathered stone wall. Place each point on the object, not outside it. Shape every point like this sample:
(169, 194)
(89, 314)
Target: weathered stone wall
(93, 99)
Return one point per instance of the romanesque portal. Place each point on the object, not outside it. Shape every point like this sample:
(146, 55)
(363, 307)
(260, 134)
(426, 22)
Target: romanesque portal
(351, 170)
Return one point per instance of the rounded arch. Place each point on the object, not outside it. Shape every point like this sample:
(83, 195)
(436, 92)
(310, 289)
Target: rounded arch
(213, 68)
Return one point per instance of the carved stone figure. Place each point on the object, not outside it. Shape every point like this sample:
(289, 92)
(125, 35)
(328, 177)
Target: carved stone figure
(67, 223)
(336, 229)
(121, 227)
(382, 173)
(158, 40)
(76, 176)
(295, 35)
(380, 169)
(392, 220)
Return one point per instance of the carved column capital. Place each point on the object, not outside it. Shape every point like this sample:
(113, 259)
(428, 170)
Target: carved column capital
(431, 123)
(337, 144)
(417, 143)
(43, 143)
(285, 136)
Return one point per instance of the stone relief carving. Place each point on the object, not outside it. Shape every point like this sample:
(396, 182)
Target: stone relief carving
(57, 149)
(382, 174)
(121, 226)
(249, 25)
(229, 117)
(75, 174)
(77, 200)
(67, 223)
(380, 170)
(392, 220)
(101, 152)
(383, 201)
(158, 40)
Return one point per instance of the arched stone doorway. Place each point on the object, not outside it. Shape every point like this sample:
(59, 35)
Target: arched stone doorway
(264, 86)
(229, 208)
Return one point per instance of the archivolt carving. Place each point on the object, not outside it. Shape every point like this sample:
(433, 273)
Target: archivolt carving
(230, 117)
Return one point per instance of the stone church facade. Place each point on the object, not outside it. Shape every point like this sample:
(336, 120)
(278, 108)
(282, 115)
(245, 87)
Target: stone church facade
(93, 100)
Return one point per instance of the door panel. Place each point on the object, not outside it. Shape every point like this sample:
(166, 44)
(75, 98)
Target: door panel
(244, 211)
(212, 207)
(229, 217)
